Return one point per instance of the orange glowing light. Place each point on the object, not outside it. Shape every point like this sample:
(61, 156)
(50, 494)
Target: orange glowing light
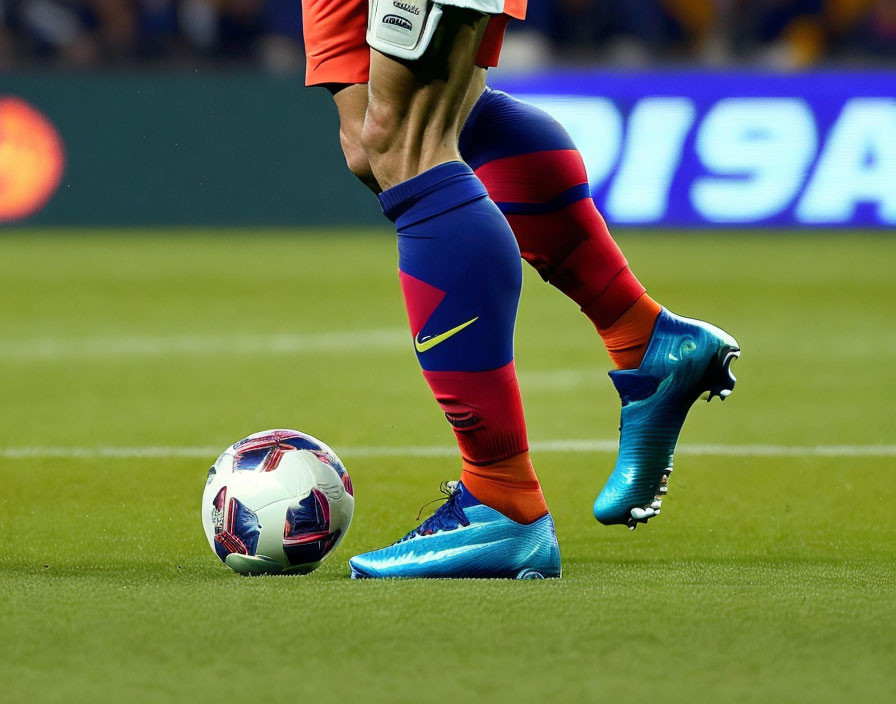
(32, 159)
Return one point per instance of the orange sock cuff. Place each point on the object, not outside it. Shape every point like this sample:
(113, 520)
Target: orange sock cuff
(509, 486)
(626, 340)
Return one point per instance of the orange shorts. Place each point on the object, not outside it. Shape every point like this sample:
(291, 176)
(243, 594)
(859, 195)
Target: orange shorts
(336, 45)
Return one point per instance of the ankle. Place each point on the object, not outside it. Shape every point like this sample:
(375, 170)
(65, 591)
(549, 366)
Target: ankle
(627, 338)
(509, 486)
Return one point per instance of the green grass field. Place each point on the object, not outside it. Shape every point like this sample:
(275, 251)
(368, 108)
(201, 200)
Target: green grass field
(128, 360)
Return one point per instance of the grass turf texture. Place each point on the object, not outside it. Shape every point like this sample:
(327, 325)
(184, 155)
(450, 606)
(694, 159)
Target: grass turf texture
(766, 579)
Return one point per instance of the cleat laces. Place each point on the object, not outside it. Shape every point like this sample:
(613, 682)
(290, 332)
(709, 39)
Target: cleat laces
(448, 516)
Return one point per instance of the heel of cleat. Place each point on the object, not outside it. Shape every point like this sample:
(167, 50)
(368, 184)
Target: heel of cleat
(721, 379)
(529, 573)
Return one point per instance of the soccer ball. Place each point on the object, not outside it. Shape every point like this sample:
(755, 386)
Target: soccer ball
(277, 502)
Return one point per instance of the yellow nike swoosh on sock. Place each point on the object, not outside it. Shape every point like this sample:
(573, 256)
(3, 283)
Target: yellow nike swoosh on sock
(430, 342)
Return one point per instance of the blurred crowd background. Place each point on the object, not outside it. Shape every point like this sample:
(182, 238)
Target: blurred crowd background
(783, 34)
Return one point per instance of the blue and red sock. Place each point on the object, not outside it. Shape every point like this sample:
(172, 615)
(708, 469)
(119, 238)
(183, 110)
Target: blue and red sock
(536, 176)
(460, 273)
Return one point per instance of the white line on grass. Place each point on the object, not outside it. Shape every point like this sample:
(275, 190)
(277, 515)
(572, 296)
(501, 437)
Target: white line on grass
(558, 446)
(234, 343)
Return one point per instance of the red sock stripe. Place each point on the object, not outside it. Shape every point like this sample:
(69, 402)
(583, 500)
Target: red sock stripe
(570, 246)
(485, 410)
(548, 240)
(614, 300)
(536, 177)
(573, 249)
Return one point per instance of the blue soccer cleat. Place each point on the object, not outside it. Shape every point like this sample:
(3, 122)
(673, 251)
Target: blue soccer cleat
(466, 538)
(684, 359)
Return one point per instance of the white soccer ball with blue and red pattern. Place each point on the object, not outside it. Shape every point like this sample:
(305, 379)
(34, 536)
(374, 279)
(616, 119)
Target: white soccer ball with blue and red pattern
(277, 502)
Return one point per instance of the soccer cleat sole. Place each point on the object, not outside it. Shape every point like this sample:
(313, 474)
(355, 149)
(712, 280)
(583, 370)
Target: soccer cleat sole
(526, 573)
(645, 513)
(537, 574)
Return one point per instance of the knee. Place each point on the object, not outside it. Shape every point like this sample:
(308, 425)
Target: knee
(355, 156)
(404, 139)
(380, 131)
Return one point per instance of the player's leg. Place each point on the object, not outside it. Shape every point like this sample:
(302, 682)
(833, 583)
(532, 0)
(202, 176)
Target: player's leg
(531, 167)
(461, 276)
(351, 106)
(564, 237)
(534, 173)
(481, 400)
(520, 153)
(541, 187)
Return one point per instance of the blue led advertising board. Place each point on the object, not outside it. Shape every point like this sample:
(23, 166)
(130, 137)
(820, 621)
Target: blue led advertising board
(743, 149)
